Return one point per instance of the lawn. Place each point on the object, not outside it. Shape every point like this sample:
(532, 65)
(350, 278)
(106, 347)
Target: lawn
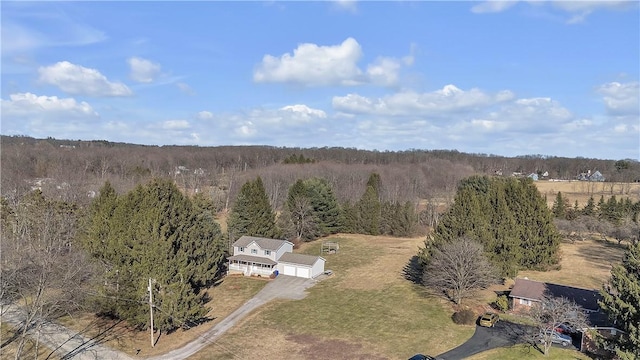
(585, 264)
(525, 352)
(366, 310)
(225, 297)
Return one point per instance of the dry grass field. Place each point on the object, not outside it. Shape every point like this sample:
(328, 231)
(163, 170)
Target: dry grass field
(583, 190)
(586, 264)
(366, 310)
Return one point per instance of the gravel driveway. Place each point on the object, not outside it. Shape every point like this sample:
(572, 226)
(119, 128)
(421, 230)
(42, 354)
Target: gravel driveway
(282, 287)
(76, 346)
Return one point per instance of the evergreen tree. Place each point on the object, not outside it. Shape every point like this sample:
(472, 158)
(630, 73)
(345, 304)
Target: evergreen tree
(508, 217)
(621, 301)
(559, 208)
(252, 213)
(153, 232)
(369, 212)
(590, 208)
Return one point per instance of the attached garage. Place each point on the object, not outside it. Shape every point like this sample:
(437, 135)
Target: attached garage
(300, 265)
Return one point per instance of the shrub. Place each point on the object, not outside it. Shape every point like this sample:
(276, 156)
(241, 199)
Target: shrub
(502, 303)
(464, 317)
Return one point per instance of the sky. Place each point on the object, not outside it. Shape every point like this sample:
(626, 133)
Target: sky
(510, 78)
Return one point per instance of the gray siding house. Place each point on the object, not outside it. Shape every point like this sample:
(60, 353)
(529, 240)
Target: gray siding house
(256, 256)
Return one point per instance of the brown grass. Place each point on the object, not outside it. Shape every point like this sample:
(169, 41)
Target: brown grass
(227, 296)
(9, 346)
(586, 264)
(583, 190)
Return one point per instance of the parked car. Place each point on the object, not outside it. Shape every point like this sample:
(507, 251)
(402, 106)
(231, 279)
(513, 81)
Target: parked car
(421, 357)
(565, 329)
(555, 337)
(488, 319)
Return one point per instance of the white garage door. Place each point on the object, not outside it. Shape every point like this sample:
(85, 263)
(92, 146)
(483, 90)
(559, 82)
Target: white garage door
(290, 270)
(302, 272)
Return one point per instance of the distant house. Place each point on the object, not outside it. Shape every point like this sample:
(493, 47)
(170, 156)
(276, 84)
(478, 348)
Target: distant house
(533, 176)
(589, 176)
(525, 293)
(256, 256)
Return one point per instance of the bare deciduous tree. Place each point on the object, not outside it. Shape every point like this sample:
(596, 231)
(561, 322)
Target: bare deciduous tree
(47, 271)
(458, 269)
(551, 313)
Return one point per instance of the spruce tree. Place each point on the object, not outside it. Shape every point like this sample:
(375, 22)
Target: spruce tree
(252, 213)
(590, 208)
(622, 303)
(369, 211)
(153, 232)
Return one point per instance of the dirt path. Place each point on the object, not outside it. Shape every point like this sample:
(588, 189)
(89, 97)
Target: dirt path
(71, 345)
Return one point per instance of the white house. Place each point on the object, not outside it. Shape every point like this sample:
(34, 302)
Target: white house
(261, 257)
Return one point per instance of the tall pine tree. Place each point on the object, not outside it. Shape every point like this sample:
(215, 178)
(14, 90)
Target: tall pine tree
(622, 303)
(252, 213)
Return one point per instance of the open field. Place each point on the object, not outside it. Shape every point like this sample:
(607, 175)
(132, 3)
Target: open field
(585, 264)
(583, 190)
(367, 309)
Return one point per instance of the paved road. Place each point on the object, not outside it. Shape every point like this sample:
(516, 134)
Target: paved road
(67, 344)
(71, 345)
(283, 287)
(503, 334)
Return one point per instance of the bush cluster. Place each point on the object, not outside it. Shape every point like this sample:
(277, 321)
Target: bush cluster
(464, 317)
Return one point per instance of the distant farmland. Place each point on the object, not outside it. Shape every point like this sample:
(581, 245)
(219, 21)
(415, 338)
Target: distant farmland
(582, 190)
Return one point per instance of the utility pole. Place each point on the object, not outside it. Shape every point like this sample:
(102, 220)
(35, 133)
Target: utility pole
(151, 311)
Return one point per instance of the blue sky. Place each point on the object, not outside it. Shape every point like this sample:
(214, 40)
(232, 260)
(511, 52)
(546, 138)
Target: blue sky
(506, 78)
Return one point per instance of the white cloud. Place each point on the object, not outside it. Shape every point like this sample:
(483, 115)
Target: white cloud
(79, 80)
(143, 70)
(621, 99)
(314, 65)
(304, 111)
(185, 88)
(311, 64)
(346, 5)
(204, 115)
(385, 70)
(578, 10)
(28, 104)
(493, 6)
(175, 125)
(446, 100)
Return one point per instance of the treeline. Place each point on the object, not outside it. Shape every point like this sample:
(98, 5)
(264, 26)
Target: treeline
(76, 168)
(313, 211)
(507, 216)
(618, 219)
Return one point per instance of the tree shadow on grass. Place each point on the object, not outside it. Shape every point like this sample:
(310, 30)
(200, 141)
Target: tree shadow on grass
(412, 271)
(603, 255)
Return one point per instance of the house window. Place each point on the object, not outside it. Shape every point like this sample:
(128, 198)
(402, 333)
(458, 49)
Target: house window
(267, 252)
(525, 302)
(254, 251)
(241, 249)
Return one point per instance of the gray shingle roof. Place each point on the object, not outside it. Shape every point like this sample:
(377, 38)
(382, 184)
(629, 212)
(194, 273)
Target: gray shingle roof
(264, 243)
(300, 259)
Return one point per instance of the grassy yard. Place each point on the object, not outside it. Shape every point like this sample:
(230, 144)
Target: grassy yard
(366, 310)
(226, 297)
(585, 264)
(524, 352)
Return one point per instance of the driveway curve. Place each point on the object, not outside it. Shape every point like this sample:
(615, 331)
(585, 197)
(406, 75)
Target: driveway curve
(282, 287)
(503, 334)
